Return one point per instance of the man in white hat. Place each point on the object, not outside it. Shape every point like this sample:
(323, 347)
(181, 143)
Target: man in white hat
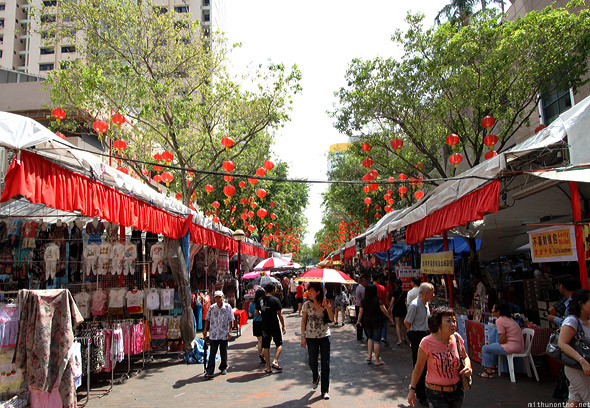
(219, 318)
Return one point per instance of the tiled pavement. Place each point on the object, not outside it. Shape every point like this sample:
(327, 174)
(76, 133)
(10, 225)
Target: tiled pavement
(167, 382)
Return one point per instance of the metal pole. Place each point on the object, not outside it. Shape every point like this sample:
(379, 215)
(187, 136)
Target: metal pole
(240, 285)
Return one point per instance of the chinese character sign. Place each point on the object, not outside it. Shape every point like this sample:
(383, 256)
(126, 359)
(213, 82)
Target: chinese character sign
(553, 244)
(438, 263)
(405, 274)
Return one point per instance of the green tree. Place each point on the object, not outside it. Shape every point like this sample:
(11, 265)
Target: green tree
(167, 75)
(457, 12)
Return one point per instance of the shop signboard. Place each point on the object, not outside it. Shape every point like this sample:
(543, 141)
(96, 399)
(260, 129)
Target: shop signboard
(405, 273)
(438, 263)
(553, 244)
(476, 338)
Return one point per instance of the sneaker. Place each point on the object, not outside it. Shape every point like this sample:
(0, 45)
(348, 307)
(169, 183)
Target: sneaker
(314, 385)
(224, 372)
(384, 341)
(208, 376)
(326, 396)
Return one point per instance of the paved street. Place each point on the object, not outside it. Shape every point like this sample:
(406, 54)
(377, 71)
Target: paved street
(167, 382)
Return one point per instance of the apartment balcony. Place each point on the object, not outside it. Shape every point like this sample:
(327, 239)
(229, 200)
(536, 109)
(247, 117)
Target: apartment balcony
(23, 52)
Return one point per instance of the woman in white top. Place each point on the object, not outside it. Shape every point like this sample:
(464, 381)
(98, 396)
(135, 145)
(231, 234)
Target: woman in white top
(315, 334)
(579, 308)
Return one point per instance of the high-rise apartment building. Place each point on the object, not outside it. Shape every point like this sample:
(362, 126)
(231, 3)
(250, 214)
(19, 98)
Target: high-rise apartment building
(25, 48)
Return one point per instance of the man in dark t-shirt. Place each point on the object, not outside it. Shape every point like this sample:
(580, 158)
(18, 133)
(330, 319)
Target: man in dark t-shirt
(271, 312)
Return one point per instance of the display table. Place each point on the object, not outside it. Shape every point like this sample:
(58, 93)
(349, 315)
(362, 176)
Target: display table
(241, 318)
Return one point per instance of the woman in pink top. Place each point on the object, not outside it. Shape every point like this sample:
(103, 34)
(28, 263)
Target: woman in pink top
(511, 340)
(442, 350)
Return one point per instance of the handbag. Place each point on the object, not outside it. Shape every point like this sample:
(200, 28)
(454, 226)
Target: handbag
(578, 343)
(466, 380)
(326, 317)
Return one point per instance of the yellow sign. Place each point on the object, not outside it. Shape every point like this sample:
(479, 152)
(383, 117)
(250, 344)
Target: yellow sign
(438, 263)
(556, 244)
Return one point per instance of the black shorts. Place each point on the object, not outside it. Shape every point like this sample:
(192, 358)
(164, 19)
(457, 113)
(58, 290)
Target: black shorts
(275, 335)
(257, 328)
(299, 300)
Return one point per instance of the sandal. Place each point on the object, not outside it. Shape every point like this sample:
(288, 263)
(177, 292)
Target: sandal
(262, 359)
(267, 371)
(487, 375)
(277, 367)
(380, 363)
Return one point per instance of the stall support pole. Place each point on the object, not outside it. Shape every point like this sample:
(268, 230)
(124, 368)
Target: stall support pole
(577, 213)
(421, 252)
(388, 262)
(449, 284)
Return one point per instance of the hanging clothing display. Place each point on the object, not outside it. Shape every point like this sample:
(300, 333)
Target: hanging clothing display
(77, 363)
(51, 258)
(117, 348)
(134, 301)
(8, 325)
(90, 259)
(167, 299)
(46, 323)
(157, 257)
(117, 301)
(29, 234)
(129, 258)
(83, 302)
(95, 232)
(99, 303)
(118, 256)
(152, 300)
(104, 258)
(112, 234)
(137, 242)
(59, 235)
(76, 249)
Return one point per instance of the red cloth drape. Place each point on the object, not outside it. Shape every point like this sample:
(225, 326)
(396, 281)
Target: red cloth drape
(41, 181)
(336, 257)
(378, 246)
(349, 252)
(468, 208)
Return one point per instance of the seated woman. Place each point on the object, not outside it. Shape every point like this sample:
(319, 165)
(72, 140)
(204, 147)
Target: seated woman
(511, 340)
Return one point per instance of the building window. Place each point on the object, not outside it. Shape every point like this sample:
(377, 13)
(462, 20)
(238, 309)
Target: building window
(181, 9)
(555, 104)
(47, 34)
(1, 22)
(46, 67)
(48, 18)
(206, 3)
(160, 10)
(49, 3)
(2, 7)
(0, 53)
(65, 64)
(206, 17)
(1, 39)
(68, 48)
(47, 51)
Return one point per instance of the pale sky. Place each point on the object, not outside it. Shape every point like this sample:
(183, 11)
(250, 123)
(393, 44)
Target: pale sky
(321, 37)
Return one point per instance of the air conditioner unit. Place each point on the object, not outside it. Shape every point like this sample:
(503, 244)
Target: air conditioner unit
(537, 188)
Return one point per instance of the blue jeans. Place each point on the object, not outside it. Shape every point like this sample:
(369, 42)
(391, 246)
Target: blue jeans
(215, 344)
(374, 334)
(489, 354)
(320, 348)
(441, 399)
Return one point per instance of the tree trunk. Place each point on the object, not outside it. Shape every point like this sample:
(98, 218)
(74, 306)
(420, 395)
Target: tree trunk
(179, 268)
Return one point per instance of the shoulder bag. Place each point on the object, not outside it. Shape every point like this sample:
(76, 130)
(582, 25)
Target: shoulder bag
(466, 380)
(578, 343)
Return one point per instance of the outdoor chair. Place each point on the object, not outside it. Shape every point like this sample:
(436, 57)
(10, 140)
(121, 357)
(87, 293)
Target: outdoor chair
(528, 359)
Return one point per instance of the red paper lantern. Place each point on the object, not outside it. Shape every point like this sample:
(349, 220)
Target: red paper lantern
(252, 181)
(273, 216)
(251, 228)
(158, 168)
(228, 179)
(402, 177)
(367, 200)
(387, 208)
(215, 204)
(419, 165)
(100, 127)
(227, 142)
(167, 157)
(157, 157)
(228, 165)
(167, 177)
(260, 172)
(120, 145)
(253, 204)
(250, 214)
(366, 147)
(157, 178)
(209, 189)
(242, 184)
(261, 213)
(216, 220)
(366, 189)
(391, 180)
(402, 190)
(397, 144)
(229, 190)
(386, 196)
(179, 196)
(490, 141)
(118, 119)
(261, 193)
(268, 165)
(490, 154)
(368, 162)
(377, 215)
(488, 122)
(61, 135)
(272, 204)
(373, 186)
(455, 159)
(123, 170)
(453, 140)
(58, 114)
(419, 195)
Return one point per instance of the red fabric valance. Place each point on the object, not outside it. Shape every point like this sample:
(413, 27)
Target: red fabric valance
(336, 257)
(41, 181)
(379, 246)
(469, 208)
(349, 252)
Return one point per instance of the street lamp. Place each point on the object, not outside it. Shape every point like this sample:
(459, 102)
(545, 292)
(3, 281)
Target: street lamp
(239, 235)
